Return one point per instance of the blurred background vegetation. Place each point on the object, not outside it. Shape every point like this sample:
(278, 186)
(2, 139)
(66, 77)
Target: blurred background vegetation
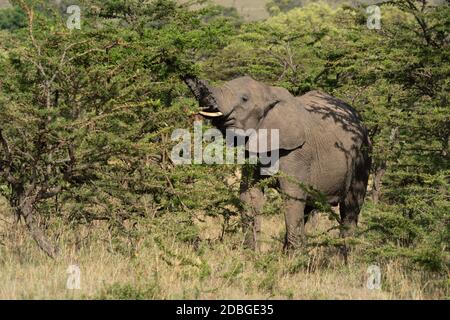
(86, 117)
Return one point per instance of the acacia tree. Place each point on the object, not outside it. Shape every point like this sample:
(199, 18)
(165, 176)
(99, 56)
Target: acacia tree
(85, 115)
(63, 124)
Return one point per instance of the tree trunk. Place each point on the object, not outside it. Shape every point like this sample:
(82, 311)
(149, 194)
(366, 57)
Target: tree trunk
(380, 169)
(26, 210)
(378, 174)
(40, 238)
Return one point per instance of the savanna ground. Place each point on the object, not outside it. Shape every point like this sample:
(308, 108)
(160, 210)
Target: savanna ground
(157, 265)
(86, 117)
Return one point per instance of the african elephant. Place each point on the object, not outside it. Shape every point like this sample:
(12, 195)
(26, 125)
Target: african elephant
(322, 144)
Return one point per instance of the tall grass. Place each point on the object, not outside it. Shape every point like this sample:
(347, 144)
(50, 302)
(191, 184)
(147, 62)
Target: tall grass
(154, 262)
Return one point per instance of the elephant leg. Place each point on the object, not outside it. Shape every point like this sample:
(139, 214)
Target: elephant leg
(295, 200)
(350, 207)
(252, 198)
(349, 217)
(349, 211)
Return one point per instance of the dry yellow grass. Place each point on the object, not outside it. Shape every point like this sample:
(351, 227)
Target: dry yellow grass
(162, 267)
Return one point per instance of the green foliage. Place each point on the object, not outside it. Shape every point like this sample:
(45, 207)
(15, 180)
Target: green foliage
(12, 18)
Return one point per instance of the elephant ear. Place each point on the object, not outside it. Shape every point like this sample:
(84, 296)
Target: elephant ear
(286, 118)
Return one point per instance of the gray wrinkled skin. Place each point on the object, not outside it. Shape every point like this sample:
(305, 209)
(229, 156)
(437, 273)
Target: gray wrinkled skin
(323, 144)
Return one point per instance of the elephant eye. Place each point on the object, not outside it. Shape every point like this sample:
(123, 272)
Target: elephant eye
(244, 98)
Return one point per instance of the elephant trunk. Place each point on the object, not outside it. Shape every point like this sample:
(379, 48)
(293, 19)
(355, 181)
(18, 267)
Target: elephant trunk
(203, 92)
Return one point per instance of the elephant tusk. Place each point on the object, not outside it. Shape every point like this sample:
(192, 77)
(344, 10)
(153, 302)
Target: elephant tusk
(211, 114)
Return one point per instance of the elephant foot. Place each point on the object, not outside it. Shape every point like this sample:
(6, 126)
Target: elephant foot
(289, 249)
(292, 243)
(252, 230)
(348, 229)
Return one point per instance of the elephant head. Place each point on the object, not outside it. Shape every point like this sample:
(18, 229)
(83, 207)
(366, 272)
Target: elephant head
(244, 103)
